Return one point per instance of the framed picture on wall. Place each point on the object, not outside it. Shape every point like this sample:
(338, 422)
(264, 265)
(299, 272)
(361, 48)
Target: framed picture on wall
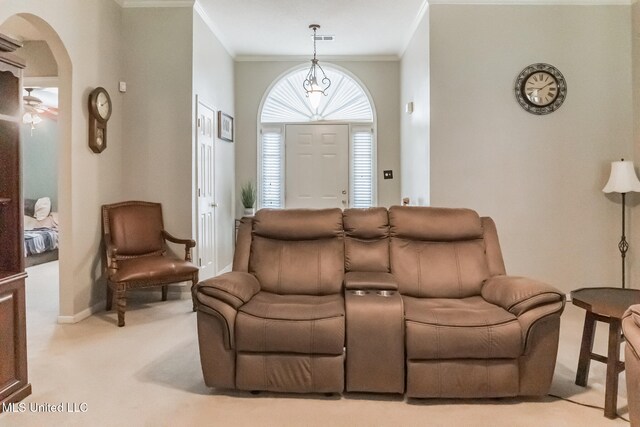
(225, 126)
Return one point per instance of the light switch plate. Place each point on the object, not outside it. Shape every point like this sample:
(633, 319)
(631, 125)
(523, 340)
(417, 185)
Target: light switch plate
(388, 174)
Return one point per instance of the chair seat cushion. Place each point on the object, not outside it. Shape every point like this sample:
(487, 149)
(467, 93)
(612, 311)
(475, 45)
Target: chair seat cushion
(444, 328)
(153, 268)
(305, 324)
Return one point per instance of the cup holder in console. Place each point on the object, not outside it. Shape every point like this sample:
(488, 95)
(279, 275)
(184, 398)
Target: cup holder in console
(360, 293)
(385, 293)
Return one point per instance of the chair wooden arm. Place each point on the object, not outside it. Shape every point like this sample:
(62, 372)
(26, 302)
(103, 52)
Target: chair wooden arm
(188, 244)
(112, 254)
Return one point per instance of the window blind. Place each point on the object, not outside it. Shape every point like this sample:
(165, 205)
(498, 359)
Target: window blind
(362, 168)
(272, 169)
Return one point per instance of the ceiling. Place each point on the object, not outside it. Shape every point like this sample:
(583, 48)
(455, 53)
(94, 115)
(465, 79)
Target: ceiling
(275, 28)
(250, 28)
(281, 27)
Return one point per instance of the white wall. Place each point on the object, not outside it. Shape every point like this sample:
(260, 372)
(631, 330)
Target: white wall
(39, 59)
(382, 79)
(158, 111)
(40, 160)
(84, 36)
(213, 84)
(414, 82)
(539, 177)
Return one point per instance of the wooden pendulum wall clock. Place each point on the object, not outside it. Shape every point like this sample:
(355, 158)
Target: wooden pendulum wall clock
(99, 112)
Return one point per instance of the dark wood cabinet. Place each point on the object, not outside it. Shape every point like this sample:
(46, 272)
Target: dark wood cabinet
(14, 384)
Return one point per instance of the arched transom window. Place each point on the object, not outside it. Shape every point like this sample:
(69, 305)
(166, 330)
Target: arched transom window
(346, 100)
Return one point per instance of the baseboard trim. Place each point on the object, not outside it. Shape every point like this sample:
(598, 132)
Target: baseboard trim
(78, 317)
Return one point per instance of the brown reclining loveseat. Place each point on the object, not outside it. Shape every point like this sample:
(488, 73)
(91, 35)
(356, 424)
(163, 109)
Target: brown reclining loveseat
(408, 300)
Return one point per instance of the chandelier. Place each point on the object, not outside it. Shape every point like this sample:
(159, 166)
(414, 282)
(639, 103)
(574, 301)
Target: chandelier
(313, 89)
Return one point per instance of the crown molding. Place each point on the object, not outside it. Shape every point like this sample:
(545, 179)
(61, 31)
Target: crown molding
(155, 3)
(324, 58)
(214, 28)
(534, 2)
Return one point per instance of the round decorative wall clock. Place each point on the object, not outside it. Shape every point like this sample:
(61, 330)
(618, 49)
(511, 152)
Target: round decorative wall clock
(540, 89)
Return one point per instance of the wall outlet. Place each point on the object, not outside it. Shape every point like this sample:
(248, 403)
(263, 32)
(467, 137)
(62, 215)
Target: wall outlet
(388, 174)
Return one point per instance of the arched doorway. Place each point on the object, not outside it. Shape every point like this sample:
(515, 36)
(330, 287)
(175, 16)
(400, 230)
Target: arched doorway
(313, 158)
(31, 27)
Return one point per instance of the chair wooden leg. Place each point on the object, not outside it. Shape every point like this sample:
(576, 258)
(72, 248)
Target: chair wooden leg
(586, 348)
(109, 297)
(165, 290)
(121, 301)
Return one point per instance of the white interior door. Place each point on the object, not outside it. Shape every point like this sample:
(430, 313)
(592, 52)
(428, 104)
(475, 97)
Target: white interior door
(206, 191)
(317, 166)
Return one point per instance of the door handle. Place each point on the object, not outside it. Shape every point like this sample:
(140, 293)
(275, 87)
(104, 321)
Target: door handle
(344, 202)
(344, 191)
(213, 205)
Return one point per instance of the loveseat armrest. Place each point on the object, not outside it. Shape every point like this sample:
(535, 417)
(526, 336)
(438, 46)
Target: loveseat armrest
(370, 280)
(234, 288)
(519, 294)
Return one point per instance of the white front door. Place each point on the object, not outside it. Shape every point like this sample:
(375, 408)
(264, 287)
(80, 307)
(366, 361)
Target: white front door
(317, 166)
(206, 191)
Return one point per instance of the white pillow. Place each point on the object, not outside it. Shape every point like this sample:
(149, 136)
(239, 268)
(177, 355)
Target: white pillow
(42, 208)
(30, 222)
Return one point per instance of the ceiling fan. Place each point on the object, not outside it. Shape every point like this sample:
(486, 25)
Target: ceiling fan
(33, 107)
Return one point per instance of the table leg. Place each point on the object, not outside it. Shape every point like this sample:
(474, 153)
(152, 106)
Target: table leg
(584, 361)
(613, 357)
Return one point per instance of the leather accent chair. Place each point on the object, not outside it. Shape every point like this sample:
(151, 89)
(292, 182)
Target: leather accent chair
(137, 255)
(631, 331)
(416, 299)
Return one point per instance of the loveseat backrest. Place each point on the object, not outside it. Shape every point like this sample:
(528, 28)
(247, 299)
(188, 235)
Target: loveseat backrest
(366, 241)
(437, 252)
(298, 251)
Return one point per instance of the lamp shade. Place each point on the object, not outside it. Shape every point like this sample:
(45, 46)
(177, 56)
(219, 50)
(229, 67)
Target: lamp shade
(623, 178)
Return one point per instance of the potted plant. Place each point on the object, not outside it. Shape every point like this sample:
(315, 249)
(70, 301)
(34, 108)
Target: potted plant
(248, 196)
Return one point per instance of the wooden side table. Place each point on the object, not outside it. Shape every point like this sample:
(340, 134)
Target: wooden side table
(604, 305)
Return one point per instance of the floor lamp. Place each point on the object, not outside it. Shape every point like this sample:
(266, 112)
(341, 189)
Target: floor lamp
(623, 179)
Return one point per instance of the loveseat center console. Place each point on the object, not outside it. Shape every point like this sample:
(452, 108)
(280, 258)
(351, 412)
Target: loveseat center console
(375, 341)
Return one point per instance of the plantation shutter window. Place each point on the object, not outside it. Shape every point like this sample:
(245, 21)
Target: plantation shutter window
(272, 169)
(362, 166)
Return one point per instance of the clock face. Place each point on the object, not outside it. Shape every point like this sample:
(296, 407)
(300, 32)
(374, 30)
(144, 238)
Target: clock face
(100, 104)
(103, 105)
(540, 89)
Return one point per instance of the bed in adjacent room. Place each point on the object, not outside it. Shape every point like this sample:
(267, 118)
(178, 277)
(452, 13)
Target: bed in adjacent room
(40, 232)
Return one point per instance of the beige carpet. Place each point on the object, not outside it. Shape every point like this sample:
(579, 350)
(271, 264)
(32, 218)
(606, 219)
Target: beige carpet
(148, 374)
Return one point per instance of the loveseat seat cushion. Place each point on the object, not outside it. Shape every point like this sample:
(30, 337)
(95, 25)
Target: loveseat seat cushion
(445, 328)
(305, 324)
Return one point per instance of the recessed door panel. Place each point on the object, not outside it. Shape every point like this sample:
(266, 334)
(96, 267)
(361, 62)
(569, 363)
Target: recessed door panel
(317, 166)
